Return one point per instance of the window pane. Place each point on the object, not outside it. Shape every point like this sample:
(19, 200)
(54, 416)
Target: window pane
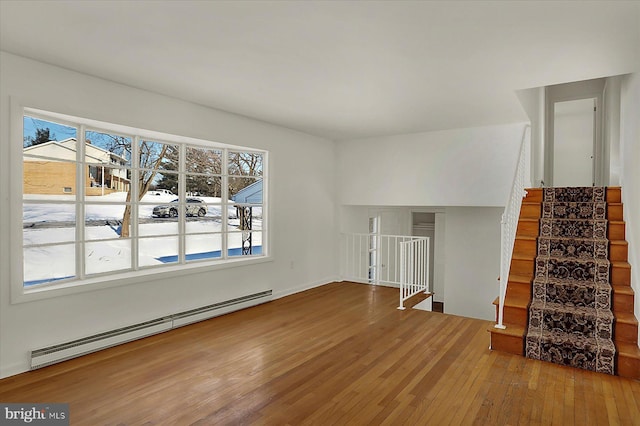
(110, 212)
(164, 185)
(157, 225)
(108, 149)
(107, 256)
(158, 156)
(245, 220)
(48, 212)
(215, 211)
(49, 156)
(49, 263)
(103, 221)
(203, 161)
(37, 131)
(203, 224)
(244, 243)
(105, 183)
(203, 247)
(43, 178)
(245, 190)
(204, 186)
(48, 223)
(245, 163)
(156, 251)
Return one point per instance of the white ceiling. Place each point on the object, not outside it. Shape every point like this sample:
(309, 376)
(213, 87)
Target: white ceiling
(338, 69)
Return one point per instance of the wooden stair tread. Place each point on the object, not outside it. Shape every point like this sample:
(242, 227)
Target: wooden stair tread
(518, 301)
(628, 349)
(514, 330)
(618, 242)
(623, 289)
(625, 317)
(620, 264)
(518, 256)
(526, 237)
(514, 301)
(523, 279)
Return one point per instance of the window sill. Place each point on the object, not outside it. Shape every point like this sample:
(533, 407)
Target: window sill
(22, 295)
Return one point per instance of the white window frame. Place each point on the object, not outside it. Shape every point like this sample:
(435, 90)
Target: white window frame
(135, 274)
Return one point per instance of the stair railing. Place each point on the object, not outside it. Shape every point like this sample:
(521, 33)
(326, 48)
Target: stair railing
(510, 217)
(379, 260)
(414, 268)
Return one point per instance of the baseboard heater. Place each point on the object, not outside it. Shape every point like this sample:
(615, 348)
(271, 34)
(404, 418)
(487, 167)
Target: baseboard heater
(64, 351)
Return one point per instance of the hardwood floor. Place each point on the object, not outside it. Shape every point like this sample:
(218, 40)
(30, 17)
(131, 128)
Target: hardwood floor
(337, 354)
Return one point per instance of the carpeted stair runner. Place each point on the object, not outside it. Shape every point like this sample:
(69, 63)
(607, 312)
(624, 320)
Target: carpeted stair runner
(570, 316)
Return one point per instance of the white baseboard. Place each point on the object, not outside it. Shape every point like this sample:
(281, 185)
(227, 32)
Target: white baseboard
(304, 287)
(15, 368)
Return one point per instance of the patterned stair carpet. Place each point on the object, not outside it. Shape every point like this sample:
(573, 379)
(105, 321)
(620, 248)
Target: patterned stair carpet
(570, 316)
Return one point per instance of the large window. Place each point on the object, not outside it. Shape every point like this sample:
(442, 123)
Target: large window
(99, 200)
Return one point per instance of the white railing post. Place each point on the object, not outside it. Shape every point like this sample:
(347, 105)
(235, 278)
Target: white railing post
(403, 274)
(427, 287)
(509, 222)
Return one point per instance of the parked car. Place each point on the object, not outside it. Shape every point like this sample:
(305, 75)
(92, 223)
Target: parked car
(161, 192)
(195, 207)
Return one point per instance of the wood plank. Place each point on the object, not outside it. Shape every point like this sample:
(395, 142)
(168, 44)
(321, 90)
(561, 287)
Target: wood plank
(337, 354)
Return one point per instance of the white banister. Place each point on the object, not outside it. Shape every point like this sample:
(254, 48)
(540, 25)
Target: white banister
(509, 222)
(392, 260)
(414, 268)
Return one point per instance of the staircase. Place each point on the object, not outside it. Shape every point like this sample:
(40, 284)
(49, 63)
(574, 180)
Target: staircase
(522, 277)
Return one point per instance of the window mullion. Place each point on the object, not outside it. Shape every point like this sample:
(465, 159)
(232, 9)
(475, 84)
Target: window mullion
(81, 171)
(134, 188)
(264, 205)
(224, 195)
(182, 198)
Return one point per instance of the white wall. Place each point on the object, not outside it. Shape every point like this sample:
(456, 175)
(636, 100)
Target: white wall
(461, 167)
(302, 195)
(469, 168)
(472, 262)
(467, 254)
(611, 128)
(533, 103)
(630, 176)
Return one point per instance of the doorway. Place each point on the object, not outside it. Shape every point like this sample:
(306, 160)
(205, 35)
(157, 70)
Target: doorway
(424, 225)
(574, 142)
(575, 153)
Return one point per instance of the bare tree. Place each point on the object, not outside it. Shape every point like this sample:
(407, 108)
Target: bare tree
(242, 167)
(204, 167)
(151, 156)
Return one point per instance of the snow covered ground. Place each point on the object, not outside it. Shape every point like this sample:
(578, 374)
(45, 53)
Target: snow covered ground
(105, 251)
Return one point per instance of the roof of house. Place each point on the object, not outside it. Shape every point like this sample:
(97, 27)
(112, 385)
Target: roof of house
(65, 150)
(251, 194)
